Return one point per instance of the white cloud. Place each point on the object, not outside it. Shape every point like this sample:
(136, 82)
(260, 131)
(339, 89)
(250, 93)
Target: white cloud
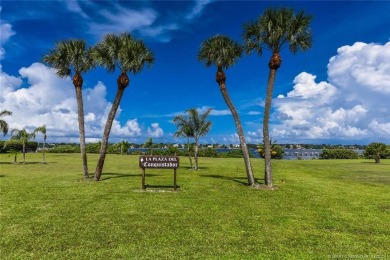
(232, 139)
(145, 22)
(306, 88)
(74, 6)
(8, 84)
(123, 20)
(51, 100)
(254, 113)
(197, 9)
(214, 112)
(353, 104)
(155, 130)
(6, 33)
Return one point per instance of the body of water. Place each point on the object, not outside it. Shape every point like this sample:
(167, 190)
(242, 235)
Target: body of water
(289, 154)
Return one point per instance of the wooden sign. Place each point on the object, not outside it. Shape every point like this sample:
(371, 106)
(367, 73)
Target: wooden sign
(158, 162)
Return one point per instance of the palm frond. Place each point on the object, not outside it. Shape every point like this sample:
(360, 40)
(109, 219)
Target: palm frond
(221, 51)
(278, 28)
(122, 52)
(67, 56)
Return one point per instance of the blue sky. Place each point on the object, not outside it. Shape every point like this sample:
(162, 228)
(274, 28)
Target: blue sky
(337, 92)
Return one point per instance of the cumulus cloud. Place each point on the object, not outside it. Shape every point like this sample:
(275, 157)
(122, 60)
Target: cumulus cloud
(50, 100)
(6, 33)
(353, 104)
(233, 139)
(155, 130)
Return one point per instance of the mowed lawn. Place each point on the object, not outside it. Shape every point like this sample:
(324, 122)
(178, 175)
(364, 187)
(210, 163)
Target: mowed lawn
(322, 209)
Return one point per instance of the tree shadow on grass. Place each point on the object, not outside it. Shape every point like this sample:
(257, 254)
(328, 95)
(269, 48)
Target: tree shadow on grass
(160, 186)
(26, 163)
(241, 180)
(114, 175)
(370, 162)
(7, 163)
(39, 163)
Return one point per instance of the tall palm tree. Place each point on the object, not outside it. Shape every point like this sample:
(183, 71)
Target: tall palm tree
(22, 136)
(199, 125)
(274, 30)
(42, 130)
(67, 57)
(4, 124)
(223, 52)
(127, 54)
(184, 129)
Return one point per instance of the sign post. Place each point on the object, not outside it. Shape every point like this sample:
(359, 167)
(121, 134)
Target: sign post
(158, 162)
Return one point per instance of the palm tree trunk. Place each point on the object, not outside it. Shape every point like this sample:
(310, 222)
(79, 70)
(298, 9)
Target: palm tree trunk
(80, 114)
(266, 138)
(244, 148)
(44, 146)
(189, 155)
(24, 152)
(377, 158)
(196, 155)
(110, 119)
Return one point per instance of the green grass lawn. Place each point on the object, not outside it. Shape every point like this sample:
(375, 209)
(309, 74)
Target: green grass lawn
(332, 208)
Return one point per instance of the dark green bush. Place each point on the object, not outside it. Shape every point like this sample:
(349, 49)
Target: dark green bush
(235, 153)
(208, 152)
(339, 154)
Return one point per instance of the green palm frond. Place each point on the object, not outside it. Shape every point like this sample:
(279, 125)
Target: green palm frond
(221, 51)
(276, 29)
(122, 52)
(22, 135)
(68, 56)
(4, 124)
(193, 124)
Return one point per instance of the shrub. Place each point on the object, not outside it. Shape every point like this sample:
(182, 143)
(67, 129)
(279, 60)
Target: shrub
(208, 152)
(377, 151)
(235, 153)
(339, 154)
(15, 145)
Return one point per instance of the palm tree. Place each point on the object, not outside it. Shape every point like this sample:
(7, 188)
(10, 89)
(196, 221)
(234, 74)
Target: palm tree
(277, 151)
(224, 52)
(184, 129)
(42, 130)
(376, 150)
(124, 145)
(22, 136)
(149, 144)
(127, 54)
(274, 30)
(199, 125)
(4, 124)
(68, 56)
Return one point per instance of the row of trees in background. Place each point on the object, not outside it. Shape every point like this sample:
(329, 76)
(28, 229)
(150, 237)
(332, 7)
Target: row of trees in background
(20, 141)
(376, 151)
